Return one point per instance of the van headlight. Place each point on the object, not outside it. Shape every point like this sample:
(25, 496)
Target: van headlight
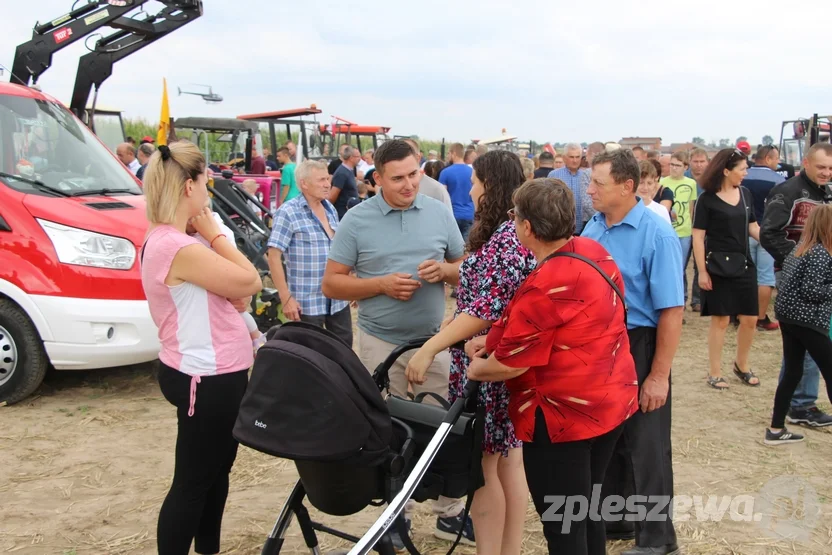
(87, 248)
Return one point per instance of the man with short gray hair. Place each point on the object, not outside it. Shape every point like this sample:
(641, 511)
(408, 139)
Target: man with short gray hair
(649, 255)
(143, 154)
(302, 231)
(344, 186)
(127, 154)
(577, 179)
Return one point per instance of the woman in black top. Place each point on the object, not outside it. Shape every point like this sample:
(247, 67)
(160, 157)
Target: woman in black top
(722, 223)
(804, 309)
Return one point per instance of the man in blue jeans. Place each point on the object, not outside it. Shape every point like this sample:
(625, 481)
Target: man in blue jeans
(786, 209)
(761, 179)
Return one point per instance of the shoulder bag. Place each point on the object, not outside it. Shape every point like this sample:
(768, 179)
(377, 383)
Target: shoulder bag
(730, 264)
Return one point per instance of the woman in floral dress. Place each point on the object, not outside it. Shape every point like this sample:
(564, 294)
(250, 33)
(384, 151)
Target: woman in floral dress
(488, 279)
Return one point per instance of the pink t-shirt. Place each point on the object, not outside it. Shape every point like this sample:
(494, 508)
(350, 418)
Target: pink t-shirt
(201, 333)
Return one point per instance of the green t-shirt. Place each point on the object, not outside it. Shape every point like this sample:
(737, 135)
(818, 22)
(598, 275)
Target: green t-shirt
(287, 179)
(684, 193)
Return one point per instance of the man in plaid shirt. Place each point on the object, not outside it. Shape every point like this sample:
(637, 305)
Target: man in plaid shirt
(302, 233)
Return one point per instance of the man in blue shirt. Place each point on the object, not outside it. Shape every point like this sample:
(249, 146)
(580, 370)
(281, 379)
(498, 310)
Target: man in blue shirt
(761, 179)
(649, 255)
(457, 179)
(344, 187)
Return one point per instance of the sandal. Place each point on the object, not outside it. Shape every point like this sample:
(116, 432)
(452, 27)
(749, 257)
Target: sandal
(716, 383)
(746, 377)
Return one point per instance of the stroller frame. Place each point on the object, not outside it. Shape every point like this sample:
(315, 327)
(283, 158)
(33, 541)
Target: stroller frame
(397, 491)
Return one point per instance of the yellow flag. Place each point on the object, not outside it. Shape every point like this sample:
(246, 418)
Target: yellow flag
(164, 118)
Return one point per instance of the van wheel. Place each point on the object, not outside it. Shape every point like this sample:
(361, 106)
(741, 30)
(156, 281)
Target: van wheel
(23, 361)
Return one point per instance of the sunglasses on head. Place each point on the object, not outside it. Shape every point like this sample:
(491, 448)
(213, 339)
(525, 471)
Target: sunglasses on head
(735, 156)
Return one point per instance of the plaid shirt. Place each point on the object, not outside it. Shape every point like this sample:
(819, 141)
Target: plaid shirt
(305, 245)
(579, 182)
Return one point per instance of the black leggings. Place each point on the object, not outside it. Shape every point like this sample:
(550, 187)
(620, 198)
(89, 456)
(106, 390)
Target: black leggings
(568, 469)
(205, 452)
(796, 341)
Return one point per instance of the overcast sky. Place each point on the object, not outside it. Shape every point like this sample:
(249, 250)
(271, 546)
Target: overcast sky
(544, 70)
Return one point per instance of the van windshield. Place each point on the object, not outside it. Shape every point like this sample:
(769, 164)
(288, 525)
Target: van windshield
(42, 141)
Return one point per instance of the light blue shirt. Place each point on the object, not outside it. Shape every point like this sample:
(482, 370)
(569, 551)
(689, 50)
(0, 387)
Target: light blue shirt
(649, 255)
(376, 240)
(299, 235)
(579, 183)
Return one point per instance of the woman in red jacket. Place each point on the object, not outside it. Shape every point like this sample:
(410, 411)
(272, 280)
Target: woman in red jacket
(562, 348)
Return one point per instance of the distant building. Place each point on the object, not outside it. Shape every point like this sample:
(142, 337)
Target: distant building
(647, 143)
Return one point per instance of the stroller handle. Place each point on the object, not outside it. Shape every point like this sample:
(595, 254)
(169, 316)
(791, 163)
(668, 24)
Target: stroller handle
(380, 375)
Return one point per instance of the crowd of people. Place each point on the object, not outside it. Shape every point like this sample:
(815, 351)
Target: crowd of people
(570, 285)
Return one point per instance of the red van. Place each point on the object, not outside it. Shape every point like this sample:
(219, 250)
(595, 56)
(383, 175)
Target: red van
(72, 219)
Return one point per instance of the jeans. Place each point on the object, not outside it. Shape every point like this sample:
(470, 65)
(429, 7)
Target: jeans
(797, 342)
(694, 290)
(686, 243)
(464, 227)
(806, 395)
(339, 323)
(764, 263)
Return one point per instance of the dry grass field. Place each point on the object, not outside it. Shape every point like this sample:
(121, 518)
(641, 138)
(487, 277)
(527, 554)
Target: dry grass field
(86, 462)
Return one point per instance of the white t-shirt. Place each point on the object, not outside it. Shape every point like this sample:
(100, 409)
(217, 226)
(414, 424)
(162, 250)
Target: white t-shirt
(660, 210)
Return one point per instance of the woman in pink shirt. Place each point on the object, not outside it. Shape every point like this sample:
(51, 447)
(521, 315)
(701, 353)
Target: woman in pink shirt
(205, 347)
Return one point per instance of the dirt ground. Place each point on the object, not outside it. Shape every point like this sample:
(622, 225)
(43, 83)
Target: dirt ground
(86, 462)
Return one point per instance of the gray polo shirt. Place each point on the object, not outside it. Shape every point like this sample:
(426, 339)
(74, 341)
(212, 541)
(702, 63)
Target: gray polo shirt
(377, 240)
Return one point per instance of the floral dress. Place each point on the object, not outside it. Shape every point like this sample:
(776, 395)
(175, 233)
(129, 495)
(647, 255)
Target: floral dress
(488, 280)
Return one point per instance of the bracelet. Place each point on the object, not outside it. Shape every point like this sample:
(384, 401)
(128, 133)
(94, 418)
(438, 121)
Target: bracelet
(215, 238)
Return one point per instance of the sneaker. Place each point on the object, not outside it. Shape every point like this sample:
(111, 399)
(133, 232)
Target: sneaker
(767, 325)
(813, 417)
(447, 528)
(782, 437)
(396, 539)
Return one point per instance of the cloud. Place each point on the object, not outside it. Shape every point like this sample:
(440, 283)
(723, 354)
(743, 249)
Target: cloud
(543, 70)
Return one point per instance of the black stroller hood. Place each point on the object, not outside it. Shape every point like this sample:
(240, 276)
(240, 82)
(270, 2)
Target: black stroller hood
(311, 399)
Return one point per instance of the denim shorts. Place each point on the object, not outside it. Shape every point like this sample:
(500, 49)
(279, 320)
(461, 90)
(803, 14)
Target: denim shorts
(764, 263)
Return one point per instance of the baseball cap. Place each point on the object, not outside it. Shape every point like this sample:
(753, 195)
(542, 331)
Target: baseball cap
(147, 139)
(744, 147)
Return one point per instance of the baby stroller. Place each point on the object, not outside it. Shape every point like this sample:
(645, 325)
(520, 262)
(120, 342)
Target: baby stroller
(311, 400)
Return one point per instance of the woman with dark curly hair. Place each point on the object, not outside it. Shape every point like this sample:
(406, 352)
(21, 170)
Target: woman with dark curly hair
(488, 279)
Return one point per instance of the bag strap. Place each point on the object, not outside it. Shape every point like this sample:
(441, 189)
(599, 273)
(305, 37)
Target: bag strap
(474, 470)
(745, 213)
(600, 271)
(441, 400)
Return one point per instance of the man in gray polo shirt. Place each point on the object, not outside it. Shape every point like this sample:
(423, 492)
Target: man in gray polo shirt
(401, 246)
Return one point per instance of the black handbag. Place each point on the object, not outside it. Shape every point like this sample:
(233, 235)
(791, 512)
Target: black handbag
(730, 264)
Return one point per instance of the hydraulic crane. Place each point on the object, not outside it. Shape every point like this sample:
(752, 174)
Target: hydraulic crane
(133, 32)
(132, 35)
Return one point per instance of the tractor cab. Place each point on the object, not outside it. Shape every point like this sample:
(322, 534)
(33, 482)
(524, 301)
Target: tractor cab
(312, 144)
(226, 142)
(797, 136)
(360, 136)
